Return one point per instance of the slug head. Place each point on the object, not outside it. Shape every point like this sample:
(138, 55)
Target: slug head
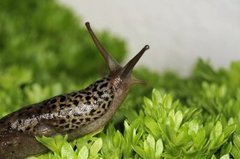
(121, 77)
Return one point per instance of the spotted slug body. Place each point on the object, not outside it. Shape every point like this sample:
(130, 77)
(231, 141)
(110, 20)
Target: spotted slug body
(76, 114)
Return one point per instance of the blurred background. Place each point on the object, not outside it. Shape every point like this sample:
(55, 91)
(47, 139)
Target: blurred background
(178, 32)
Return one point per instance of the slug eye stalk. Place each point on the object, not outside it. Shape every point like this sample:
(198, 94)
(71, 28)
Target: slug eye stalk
(127, 69)
(111, 62)
(113, 65)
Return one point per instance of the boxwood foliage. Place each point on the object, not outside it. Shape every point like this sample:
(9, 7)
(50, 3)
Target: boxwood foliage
(45, 51)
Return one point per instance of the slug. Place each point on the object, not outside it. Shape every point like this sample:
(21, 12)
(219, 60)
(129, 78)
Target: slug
(76, 114)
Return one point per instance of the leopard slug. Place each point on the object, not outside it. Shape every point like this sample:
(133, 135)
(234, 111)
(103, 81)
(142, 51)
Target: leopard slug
(76, 114)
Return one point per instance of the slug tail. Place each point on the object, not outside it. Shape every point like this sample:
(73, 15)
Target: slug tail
(111, 62)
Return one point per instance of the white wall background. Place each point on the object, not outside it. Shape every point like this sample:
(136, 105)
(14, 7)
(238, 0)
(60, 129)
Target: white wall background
(178, 32)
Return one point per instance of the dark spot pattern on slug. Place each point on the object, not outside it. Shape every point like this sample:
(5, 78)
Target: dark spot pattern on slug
(93, 102)
(100, 93)
(66, 126)
(98, 112)
(54, 106)
(87, 98)
(65, 112)
(75, 102)
(74, 94)
(61, 121)
(95, 98)
(103, 85)
(74, 120)
(94, 89)
(92, 112)
(78, 96)
(53, 101)
(62, 106)
(88, 119)
(62, 99)
(95, 118)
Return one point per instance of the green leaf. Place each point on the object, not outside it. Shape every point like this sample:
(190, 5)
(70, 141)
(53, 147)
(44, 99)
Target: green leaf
(150, 141)
(178, 120)
(217, 131)
(140, 151)
(67, 151)
(199, 139)
(156, 97)
(96, 147)
(83, 153)
(225, 156)
(54, 144)
(159, 148)
(152, 126)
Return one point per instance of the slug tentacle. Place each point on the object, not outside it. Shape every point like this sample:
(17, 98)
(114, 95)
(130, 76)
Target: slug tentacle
(76, 114)
(111, 62)
(127, 69)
